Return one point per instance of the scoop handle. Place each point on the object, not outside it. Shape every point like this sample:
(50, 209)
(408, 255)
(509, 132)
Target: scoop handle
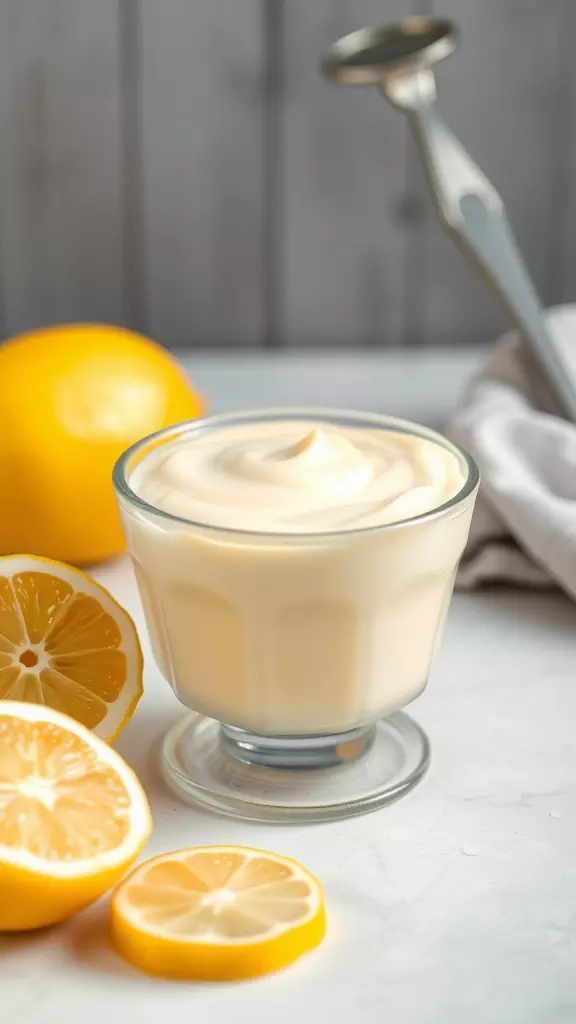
(472, 212)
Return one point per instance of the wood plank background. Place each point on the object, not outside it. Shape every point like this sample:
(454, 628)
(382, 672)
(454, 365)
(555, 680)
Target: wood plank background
(183, 168)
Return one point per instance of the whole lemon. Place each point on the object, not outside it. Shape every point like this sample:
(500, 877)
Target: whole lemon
(73, 398)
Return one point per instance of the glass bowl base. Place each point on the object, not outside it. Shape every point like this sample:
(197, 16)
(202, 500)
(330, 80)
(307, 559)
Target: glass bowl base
(293, 779)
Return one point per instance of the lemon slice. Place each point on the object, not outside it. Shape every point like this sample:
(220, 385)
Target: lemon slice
(66, 643)
(217, 913)
(73, 816)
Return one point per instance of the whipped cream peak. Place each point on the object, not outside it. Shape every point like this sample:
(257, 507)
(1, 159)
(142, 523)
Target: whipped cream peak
(316, 445)
(314, 441)
(295, 476)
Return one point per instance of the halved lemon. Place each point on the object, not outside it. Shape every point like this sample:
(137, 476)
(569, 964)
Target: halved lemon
(217, 913)
(73, 816)
(65, 642)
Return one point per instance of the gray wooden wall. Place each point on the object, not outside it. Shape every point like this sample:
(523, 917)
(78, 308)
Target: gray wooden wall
(181, 167)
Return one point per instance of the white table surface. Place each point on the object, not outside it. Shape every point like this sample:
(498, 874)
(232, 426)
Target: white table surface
(456, 904)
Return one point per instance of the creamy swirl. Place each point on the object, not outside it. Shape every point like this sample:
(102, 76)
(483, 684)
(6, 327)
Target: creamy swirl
(293, 476)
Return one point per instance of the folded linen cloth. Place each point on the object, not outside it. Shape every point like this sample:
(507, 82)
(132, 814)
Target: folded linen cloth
(524, 526)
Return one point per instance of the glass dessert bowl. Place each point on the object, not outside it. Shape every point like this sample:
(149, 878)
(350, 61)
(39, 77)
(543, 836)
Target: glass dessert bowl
(295, 567)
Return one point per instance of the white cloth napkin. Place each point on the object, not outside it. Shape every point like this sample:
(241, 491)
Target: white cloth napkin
(524, 526)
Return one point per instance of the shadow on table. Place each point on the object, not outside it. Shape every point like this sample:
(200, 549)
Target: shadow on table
(12, 944)
(89, 943)
(140, 744)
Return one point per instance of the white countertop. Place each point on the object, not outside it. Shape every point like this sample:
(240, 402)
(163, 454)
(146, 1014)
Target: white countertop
(457, 903)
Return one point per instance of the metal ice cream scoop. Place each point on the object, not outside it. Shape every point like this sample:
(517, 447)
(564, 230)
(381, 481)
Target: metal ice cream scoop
(399, 58)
